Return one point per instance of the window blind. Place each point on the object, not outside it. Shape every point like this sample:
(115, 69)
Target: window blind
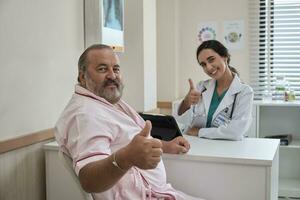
(274, 38)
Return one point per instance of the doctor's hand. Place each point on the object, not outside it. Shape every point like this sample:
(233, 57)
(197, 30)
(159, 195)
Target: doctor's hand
(178, 145)
(194, 131)
(143, 151)
(193, 96)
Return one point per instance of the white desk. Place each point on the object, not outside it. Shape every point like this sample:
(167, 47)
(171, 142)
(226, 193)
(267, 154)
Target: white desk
(226, 170)
(212, 169)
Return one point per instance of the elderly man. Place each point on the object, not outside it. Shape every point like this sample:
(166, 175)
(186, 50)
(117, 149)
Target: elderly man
(112, 151)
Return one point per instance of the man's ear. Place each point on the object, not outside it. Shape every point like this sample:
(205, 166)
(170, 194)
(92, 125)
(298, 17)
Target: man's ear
(81, 78)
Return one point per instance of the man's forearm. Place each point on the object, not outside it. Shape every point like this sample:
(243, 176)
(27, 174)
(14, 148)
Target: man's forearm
(101, 175)
(166, 146)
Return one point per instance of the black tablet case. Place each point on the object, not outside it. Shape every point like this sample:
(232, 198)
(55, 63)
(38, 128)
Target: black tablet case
(164, 127)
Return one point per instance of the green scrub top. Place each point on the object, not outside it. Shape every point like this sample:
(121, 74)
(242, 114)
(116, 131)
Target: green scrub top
(215, 101)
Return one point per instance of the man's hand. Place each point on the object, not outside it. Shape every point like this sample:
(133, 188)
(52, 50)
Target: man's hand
(144, 152)
(194, 131)
(193, 96)
(176, 146)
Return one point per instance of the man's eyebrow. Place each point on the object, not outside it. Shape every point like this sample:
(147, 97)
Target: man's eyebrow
(101, 65)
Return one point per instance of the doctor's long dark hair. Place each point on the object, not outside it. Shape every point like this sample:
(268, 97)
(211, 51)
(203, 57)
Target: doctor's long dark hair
(219, 48)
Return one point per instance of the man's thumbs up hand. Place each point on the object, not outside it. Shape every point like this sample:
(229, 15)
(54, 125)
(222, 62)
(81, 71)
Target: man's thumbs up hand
(143, 151)
(146, 130)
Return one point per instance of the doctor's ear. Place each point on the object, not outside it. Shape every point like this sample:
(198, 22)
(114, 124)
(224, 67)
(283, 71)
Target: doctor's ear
(225, 60)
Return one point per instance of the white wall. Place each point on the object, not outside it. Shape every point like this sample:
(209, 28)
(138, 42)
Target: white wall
(149, 38)
(132, 58)
(167, 50)
(138, 62)
(177, 28)
(41, 41)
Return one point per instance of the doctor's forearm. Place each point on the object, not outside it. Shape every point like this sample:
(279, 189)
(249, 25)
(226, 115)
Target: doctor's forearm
(229, 133)
(184, 106)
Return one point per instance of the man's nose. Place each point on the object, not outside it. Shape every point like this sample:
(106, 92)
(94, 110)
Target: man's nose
(111, 74)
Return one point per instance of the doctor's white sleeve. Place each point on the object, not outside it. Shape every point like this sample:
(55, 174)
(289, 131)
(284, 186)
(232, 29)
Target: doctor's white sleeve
(240, 122)
(184, 121)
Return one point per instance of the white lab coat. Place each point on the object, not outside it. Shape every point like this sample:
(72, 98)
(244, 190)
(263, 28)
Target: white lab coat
(236, 127)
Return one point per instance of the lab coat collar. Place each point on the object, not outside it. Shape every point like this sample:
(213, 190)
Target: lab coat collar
(208, 90)
(235, 87)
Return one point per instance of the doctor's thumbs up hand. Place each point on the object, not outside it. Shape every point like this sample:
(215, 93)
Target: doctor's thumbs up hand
(144, 151)
(193, 96)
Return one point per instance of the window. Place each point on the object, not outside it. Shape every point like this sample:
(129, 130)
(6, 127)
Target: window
(274, 36)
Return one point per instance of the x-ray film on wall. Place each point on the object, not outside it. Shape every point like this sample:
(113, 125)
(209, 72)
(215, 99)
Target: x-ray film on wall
(104, 23)
(112, 30)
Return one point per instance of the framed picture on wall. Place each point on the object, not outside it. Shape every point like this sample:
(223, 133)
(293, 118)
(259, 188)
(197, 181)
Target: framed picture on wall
(104, 23)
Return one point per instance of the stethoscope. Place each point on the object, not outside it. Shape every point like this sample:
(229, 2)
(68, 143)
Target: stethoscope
(233, 105)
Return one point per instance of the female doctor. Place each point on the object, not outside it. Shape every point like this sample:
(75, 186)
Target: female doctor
(218, 108)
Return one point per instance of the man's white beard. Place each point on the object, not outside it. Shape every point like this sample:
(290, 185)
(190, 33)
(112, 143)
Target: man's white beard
(110, 95)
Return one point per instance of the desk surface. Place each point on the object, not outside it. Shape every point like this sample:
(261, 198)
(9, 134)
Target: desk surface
(256, 151)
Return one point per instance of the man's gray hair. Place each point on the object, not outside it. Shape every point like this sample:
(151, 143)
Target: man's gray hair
(83, 62)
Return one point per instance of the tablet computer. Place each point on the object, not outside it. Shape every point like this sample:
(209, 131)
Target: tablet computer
(164, 127)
